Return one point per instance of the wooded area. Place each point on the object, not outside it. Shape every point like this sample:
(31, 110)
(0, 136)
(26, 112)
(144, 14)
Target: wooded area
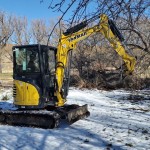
(107, 104)
(93, 57)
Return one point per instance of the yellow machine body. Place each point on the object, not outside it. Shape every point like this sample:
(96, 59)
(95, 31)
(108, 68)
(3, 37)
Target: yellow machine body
(25, 94)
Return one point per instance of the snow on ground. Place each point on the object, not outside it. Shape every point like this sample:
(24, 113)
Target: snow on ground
(116, 123)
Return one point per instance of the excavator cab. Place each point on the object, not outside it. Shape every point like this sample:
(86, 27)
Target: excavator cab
(34, 75)
(34, 90)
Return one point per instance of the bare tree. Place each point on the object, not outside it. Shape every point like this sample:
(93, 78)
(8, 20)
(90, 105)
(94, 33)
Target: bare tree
(132, 18)
(129, 11)
(6, 28)
(58, 30)
(22, 34)
(39, 31)
(6, 31)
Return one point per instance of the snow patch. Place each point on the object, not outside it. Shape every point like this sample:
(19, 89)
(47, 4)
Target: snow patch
(115, 123)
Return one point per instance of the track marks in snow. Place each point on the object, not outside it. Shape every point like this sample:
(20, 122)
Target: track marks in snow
(114, 123)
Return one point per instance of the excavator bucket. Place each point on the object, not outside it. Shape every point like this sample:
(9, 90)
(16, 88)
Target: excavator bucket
(44, 118)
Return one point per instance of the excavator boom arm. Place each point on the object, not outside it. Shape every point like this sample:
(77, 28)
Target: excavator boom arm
(69, 40)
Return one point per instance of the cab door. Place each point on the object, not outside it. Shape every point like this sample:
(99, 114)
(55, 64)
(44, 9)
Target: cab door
(26, 76)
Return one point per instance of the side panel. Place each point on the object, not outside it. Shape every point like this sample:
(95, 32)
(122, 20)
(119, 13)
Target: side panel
(25, 94)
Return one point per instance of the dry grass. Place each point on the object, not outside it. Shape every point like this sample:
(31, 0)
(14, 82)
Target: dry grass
(6, 79)
(6, 76)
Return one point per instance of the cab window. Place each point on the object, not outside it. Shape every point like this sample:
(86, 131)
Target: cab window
(51, 61)
(26, 60)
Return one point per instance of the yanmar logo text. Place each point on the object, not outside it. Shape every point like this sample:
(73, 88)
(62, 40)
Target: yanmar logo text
(77, 36)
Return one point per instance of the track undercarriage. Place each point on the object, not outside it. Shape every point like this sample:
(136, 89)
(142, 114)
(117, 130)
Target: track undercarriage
(48, 118)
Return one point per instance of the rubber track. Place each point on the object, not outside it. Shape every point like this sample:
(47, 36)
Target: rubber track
(41, 119)
(44, 118)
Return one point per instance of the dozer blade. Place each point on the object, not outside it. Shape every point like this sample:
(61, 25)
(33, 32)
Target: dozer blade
(77, 114)
(30, 118)
(73, 113)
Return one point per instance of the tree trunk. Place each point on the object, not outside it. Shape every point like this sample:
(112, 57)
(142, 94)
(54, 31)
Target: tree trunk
(0, 64)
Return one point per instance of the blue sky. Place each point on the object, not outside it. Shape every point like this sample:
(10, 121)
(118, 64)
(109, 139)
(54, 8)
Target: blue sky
(32, 9)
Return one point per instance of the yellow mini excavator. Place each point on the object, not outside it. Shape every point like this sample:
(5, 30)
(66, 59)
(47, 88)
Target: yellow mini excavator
(41, 77)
